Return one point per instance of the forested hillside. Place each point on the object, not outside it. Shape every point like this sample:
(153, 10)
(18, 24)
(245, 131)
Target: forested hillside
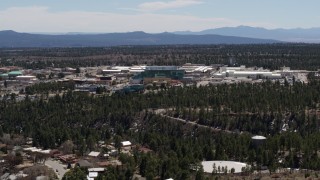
(15, 39)
(182, 126)
(242, 109)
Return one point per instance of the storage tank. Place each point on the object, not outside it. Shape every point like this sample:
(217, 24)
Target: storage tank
(258, 140)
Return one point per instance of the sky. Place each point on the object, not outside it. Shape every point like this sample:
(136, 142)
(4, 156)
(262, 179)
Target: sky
(154, 16)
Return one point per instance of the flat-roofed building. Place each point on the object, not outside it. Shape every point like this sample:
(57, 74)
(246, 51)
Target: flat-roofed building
(14, 74)
(243, 72)
(26, 78)
(4, 76)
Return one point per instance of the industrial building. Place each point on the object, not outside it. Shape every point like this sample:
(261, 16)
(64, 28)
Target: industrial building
(243, 72)
(124, 69)
(14, 74)
(26, 78)
(196, 68)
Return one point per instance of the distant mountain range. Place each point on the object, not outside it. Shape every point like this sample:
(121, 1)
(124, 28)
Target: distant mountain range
(311, 35)
(15, 39)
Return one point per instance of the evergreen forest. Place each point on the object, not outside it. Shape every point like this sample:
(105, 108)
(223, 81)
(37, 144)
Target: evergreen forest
(225, 118)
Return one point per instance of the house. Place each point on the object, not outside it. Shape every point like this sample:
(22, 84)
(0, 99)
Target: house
(94, 172)
(92, 175)
(126, 145)
(69, 158)
(94, 154)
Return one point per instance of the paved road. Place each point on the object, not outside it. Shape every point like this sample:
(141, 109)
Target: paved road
(196, 124)
(57, 165)
(162, 111)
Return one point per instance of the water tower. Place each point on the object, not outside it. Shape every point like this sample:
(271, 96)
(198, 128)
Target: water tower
(258, 140)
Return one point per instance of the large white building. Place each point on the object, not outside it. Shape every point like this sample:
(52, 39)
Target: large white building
(195, 68)
(124, 69)
(26, 78)
(243, 72)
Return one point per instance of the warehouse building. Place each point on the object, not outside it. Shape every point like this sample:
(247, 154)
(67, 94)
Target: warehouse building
(14, 74)
(196, 68)
(26, 78)
(243, 72)
(124, 69)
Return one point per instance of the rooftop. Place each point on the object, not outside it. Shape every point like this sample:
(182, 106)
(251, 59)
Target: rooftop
(162, 68)
(126, 143)
(15, 73)
(259, 137)
(96, 169)
(94, 154)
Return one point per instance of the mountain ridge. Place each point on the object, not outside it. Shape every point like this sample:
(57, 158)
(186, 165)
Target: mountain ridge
(306, 35)
(11, 38)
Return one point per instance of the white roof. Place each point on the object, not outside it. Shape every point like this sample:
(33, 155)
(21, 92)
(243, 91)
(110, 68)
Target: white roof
(32, 149)
(121, 67)
(136, 70)
(259, 137)
(208, 165)
(96, 169)
(111, 70)
(276, 74)
(234, 68)
(94, 154)
(29, 148)
(26, 76)
(137, 67)
(45, 151)
(126, 143)
(93, 174)
(252, 72)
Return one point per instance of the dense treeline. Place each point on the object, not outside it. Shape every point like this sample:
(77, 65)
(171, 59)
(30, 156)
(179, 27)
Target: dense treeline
(174, 156)
(256, 108)
(274, 56)
(49, 87)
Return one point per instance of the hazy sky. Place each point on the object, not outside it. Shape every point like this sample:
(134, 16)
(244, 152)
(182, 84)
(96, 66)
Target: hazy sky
(154, 16)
